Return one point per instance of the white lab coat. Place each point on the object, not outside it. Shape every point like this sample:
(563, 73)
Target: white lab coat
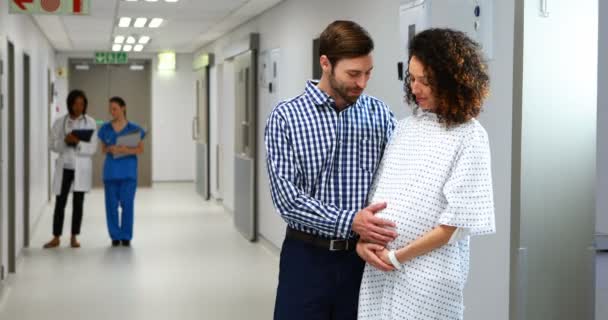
(83, 164)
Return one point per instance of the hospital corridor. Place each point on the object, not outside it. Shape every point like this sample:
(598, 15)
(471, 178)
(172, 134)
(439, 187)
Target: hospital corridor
(304, 159)
(187, 263)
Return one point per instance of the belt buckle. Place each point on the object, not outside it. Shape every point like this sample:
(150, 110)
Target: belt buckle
(333, 248)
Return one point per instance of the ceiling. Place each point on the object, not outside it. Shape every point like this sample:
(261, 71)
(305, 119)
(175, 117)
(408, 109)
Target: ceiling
(188, 24)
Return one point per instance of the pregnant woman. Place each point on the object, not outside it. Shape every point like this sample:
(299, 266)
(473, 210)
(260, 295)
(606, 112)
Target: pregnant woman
(436, 180)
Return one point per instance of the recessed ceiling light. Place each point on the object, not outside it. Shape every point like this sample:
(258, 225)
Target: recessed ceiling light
(119, 39)
(116, 47)
(151, 0)
(138, 47)
(127, 48)
(124, 22)
(131, 0)
(131, 40)
(171, 0)
(155, 23)
(140, 22)
(144, 39)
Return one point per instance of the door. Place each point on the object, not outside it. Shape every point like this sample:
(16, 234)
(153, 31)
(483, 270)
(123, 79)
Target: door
(2, 234)
(554, 166)
(100, 83)
(26, 150)
(245, 144)
(217, 114)
(92, 79)
(134, 86)
(200, 133)
(12, 175)
(51, 93)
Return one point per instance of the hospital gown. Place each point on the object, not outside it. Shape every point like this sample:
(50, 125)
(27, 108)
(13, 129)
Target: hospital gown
(429, 176)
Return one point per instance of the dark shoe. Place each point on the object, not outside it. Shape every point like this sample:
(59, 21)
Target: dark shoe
(115, 243)
(126, 243)
(74, 242)
(52, 244)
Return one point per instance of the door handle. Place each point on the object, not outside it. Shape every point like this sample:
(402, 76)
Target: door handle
(195, 135)
(245, 136)
(544, 8)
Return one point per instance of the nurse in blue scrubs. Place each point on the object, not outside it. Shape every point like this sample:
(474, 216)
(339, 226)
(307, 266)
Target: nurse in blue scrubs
(120, 172)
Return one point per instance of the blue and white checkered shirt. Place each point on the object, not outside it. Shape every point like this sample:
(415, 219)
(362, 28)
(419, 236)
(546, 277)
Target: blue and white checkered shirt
(321, 162)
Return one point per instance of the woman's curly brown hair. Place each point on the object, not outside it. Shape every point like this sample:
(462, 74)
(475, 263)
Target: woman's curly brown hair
(455, 71)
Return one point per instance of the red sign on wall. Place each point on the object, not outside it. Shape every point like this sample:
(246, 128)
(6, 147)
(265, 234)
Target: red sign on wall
(54, 7)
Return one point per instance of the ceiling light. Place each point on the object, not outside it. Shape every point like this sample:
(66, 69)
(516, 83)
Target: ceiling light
(124, 22)
(116, 47)
(140, 22)
(131, 0)
(127, 48)
(119, 39)
(171, 0)
(151, 0)
(166, 61)
(138, 47)
(144, 39)
(155, 23)
(131, 40)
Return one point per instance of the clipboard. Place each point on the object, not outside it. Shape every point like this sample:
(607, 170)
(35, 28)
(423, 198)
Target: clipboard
(83, 134)
(130, 140)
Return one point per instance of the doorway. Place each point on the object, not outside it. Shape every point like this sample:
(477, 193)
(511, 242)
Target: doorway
(130, 81)
(26, 150)
(12, 175)
(200, 129)
(245, 185)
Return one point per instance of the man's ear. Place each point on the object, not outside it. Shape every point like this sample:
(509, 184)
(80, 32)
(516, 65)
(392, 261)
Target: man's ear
(325, 64)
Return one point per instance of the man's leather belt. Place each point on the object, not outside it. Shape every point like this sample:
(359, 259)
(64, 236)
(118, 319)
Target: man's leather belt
(326, 243)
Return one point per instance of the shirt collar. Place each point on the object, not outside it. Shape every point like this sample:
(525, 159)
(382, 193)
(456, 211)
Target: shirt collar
(318, 96)
(421, 113)
(77, 119)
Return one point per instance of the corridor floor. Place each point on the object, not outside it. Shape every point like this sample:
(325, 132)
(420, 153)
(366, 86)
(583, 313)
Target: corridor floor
(187, 261)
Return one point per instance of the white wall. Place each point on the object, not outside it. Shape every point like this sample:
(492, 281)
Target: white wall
(487, 293)
(27, 38)
(602, 123)
(173, 107)
(291, 26)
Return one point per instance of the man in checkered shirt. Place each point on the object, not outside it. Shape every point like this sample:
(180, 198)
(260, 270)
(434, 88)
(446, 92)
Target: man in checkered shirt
(323, 148)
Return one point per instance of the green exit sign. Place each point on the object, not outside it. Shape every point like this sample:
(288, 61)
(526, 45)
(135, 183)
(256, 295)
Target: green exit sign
(111, 58)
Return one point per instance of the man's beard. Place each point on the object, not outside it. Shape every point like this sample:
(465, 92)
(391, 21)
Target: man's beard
(341, 90)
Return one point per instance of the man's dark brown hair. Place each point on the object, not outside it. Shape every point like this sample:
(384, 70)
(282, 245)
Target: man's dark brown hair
(343, 40)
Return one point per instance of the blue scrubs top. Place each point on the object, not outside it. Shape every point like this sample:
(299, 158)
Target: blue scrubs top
(121, 168)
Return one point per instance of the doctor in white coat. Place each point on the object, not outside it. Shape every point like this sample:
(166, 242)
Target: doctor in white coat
(73, 167)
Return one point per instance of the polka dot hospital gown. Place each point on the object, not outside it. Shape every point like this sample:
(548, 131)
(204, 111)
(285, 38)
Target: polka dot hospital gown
(430, 175)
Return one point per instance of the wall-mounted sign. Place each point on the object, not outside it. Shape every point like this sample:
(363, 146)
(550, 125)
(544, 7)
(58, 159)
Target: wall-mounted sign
(53, 7)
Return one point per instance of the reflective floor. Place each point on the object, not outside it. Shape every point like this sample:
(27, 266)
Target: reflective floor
(186, 262)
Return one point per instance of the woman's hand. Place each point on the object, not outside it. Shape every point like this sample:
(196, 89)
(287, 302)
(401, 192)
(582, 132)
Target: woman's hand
(122, 149)
(115, 149)
(383, 255)
(71, 139)
(370, 252)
